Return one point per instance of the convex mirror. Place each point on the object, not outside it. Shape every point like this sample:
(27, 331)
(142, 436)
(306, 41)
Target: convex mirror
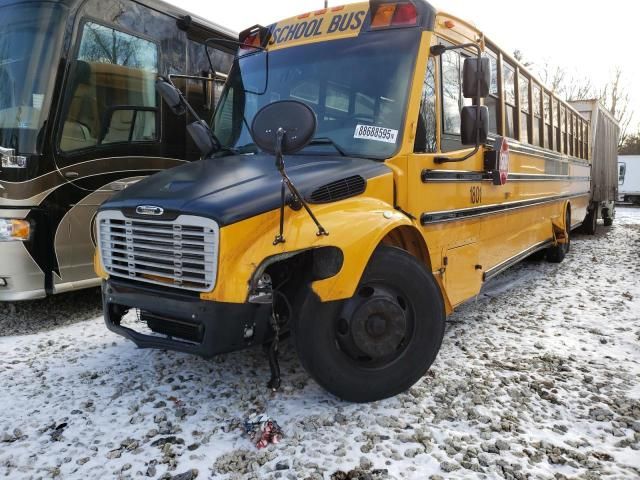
(476, 77)
(296, 119)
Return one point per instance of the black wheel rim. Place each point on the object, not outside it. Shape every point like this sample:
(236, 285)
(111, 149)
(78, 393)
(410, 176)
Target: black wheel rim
(375, 326)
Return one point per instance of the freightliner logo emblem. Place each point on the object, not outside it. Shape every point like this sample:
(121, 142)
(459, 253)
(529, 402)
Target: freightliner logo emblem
(149, 210)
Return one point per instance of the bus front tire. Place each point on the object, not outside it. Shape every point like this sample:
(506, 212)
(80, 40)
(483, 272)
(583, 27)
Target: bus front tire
(382, 340)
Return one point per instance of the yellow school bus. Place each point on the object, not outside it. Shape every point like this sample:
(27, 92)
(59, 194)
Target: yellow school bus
(411, 161)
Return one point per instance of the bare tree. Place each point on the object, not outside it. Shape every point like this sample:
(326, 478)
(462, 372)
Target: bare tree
(104, 45)
(631, 145)
(554, 77)
(613, 95)
(519, 56)
(616, 99)
(579, 89)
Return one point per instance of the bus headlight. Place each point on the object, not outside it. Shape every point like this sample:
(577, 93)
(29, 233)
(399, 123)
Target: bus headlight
(9, 159)
(14, 230)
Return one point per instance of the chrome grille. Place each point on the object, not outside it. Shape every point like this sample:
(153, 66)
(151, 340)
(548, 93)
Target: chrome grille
(182, 253)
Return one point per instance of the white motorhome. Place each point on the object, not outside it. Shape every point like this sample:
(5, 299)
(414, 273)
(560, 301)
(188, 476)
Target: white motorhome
(629, 178)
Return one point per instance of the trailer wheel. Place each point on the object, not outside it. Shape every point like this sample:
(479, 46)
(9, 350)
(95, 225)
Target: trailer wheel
(380, 341)
(608, 214)
(590, 222)
(557, 253)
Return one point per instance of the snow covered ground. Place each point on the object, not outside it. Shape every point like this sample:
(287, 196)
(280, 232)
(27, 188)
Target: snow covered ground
(537, 378)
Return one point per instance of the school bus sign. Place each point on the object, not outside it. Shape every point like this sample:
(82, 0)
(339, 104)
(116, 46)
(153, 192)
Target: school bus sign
(497, 161)
(327, 24)
(503, 161)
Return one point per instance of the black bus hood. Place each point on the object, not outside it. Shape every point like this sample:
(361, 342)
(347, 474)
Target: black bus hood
(233, 188)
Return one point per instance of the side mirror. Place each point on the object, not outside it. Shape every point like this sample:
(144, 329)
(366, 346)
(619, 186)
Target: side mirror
(171, 95)
(470, 133)
(295, 121)
(476, 77)
(280, 128)
(201, 135)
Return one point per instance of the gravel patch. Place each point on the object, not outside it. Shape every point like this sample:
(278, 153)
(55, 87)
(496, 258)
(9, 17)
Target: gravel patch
(539, 377)
(23, 318)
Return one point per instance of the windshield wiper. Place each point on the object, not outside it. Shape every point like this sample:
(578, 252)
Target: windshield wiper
(247, 148)
(226, 151)
(327, 141)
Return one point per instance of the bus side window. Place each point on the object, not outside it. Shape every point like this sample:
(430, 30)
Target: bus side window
(525, 109)
(112, 96)
(537, 115)
(510, 111)
(452, 100)
(426, 129)
(492, 100)
(451, 92)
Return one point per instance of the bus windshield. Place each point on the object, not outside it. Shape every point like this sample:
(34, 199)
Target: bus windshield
(30, 34)
(358, 88)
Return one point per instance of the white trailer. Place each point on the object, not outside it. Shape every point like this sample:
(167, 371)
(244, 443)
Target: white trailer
(629, 178)
(604, 131)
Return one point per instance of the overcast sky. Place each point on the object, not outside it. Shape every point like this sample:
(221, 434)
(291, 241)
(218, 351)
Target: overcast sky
(588, 38)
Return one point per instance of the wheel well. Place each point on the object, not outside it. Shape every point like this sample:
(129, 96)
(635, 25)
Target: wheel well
(409, 239)
(290, 273)
(291, 270)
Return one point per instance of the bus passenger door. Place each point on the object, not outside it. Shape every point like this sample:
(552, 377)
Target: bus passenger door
(435, 191)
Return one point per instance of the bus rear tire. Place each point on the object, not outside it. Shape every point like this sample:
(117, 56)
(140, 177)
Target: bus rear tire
(382, 340)
(590, 222)
(608, 221)
(557, 253)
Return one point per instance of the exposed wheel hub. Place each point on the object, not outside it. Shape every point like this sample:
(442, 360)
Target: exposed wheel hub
(378, 327)
(374, 325)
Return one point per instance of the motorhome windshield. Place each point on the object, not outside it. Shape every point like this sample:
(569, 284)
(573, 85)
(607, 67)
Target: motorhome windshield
(358, 88)
(30, 35)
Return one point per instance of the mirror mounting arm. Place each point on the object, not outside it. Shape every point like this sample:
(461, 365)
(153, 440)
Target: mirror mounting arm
(216, 143)
(193, 113)
(278, 150)
(286, 126)
(460, 159)
(439, 50)
(280, 166)
(280, 133)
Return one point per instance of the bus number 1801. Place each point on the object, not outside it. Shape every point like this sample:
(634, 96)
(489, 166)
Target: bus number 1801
(476, 195)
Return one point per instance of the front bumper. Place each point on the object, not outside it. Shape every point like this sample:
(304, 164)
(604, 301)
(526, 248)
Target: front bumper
(24, 278)
(219, 327)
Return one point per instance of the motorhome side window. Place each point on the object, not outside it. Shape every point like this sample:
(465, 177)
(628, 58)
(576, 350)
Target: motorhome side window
(112, 90)
(426, 128)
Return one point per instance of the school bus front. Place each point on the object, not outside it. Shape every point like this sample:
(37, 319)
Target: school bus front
(406, 221)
